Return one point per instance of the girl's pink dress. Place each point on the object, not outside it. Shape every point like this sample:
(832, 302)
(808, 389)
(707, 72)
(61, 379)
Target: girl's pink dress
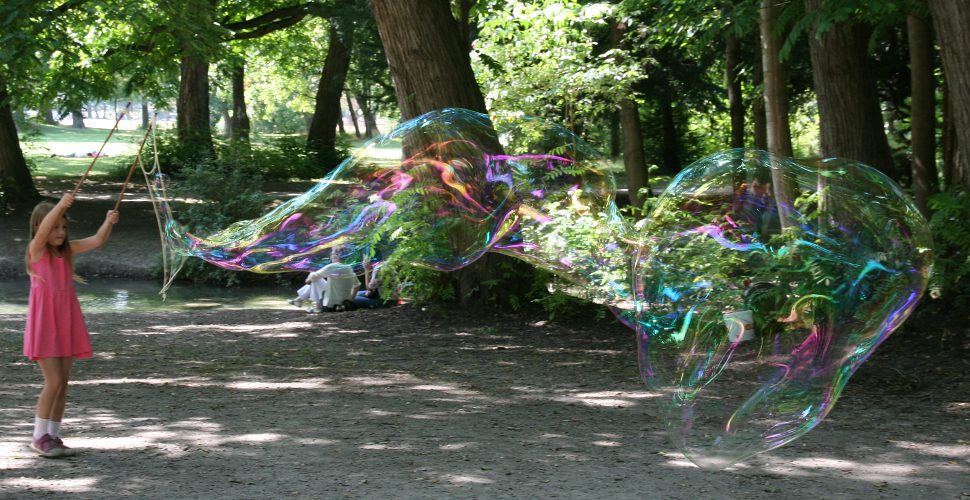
(55, 326)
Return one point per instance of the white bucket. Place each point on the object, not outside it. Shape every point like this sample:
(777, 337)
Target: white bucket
(740, 325)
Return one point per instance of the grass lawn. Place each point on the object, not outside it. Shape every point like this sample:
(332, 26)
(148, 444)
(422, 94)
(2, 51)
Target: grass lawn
(46, 140)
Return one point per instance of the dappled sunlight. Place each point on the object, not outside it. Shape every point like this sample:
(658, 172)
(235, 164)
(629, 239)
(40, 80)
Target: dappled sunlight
(960, 451)
(458, 446)
(243, 328)
(460, 479)
(318, 383)
(386, 447)
(77, 485)
(603, 399)
(870, 470)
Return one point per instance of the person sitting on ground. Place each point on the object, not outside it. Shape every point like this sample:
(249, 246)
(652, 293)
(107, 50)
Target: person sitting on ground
(370, 296)
(329, 287)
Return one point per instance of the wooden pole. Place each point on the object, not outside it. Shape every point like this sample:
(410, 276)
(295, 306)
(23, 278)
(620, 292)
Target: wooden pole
(98, 154)
(134, 164)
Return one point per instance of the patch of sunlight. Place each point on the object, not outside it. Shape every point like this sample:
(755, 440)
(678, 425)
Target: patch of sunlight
(79, 485)
(428, 416)
(309, 383)
(874, 472)
(949, 451)
(608, 444)
(386, 446)
(382, 413)
(383, 379)
(610, 399)
(552, 436)
(450, 389)
(458, 446)
(266, 437)
(317, 441)
(236, 328)
(467, 479)
(181, 381)
(111, 443)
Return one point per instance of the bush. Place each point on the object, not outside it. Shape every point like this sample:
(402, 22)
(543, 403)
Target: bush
(951, 239)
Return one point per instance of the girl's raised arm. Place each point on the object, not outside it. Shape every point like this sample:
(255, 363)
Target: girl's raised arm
(39, 242)
(98, 239)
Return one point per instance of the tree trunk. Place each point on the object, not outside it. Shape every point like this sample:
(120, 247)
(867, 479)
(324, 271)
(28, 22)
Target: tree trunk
(322, 136)
(758, 123)
(77, 119)
(430, 68)
(192, 107)
(16, 184)
(634, 163)
(850, 120)
(776, 90)
(240, 116)
(615, 144)
(370, 118)
(732, 59)
(192, 104)
(49, 117)
(144, 115)
(951, 19)
(776, 108)
(922, 111)
(949, 138)
(353, 115)
(340, 119)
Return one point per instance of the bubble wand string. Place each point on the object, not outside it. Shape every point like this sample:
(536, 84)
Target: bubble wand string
(98, 154)
(134, 164)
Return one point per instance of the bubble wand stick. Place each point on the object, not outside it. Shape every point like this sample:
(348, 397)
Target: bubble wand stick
(98, 154)
(134, 164)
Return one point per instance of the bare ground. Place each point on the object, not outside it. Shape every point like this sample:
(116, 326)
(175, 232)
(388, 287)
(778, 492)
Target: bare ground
(407, 403)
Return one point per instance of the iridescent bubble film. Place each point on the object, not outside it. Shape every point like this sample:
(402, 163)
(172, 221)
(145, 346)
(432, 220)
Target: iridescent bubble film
(761, 285)
(445, 188)
(757, 286)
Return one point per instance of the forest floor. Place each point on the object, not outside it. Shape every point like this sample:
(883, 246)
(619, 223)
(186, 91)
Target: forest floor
(269, 402)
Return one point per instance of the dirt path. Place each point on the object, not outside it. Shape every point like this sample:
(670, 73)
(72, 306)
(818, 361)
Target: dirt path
(403, 403)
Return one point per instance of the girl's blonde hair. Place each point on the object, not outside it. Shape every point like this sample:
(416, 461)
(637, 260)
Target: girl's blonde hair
(40, 211)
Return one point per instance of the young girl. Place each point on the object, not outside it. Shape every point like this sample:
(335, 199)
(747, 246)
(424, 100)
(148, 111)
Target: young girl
(55, 333)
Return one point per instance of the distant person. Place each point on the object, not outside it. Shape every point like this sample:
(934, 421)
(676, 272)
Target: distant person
(329, 287)
(55, 334)
(89, 154)
(370, 296)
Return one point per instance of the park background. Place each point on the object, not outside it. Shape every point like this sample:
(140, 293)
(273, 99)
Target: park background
(257, 100)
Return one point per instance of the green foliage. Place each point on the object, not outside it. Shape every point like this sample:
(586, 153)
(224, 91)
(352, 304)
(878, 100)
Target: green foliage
(951, 237)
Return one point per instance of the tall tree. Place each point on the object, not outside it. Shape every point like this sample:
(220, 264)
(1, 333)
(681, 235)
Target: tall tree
(195, 46)
(951, 19)
(922, 111)
(732, 61)
(322, 137)
(851, 124)
(429, 67)
(431, 70)
(16, 184)
(239, 124)
(776, 89)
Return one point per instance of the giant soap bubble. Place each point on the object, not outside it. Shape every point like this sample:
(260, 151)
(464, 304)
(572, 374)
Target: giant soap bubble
(445, 188)
(757, 286)
(761, 285)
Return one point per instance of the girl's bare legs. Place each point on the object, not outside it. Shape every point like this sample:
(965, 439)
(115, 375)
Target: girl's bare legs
(53, 397)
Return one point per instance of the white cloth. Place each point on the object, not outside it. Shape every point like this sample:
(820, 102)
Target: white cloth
(331, 285)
